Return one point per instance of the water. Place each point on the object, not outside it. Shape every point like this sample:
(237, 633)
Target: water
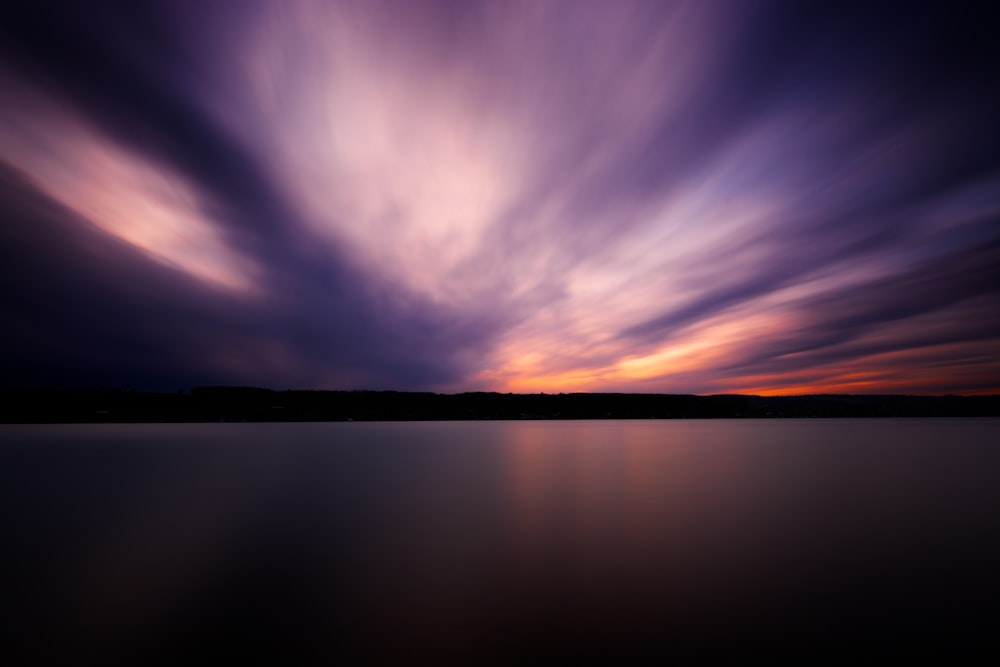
(502, 542)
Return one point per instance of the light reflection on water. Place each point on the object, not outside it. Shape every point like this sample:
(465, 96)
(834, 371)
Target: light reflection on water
(472, 542)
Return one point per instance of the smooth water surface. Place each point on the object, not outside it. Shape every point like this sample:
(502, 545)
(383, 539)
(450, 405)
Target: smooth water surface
(502, 542)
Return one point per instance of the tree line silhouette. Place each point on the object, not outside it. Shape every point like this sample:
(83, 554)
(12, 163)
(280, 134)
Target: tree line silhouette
(212, 404)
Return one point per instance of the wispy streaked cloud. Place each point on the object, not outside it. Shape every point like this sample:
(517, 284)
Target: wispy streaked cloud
(702, 197)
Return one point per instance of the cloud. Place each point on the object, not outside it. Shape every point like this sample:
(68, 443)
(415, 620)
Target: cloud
(525, 196)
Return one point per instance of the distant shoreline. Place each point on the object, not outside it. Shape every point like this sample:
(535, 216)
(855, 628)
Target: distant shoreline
(247, 404)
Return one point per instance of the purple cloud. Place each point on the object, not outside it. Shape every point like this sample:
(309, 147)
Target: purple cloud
(554, 196)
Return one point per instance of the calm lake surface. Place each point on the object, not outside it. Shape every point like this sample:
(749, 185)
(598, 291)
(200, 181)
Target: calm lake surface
(502, 542)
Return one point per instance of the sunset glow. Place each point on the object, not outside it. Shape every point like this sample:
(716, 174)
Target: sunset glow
(701, 197)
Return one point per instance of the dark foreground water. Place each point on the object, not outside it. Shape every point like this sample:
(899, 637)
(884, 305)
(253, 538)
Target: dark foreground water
(501, 542)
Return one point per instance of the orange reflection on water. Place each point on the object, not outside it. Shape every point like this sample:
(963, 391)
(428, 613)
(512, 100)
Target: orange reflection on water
(606, 504)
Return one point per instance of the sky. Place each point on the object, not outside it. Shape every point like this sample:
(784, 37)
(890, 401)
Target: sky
(716, 196)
